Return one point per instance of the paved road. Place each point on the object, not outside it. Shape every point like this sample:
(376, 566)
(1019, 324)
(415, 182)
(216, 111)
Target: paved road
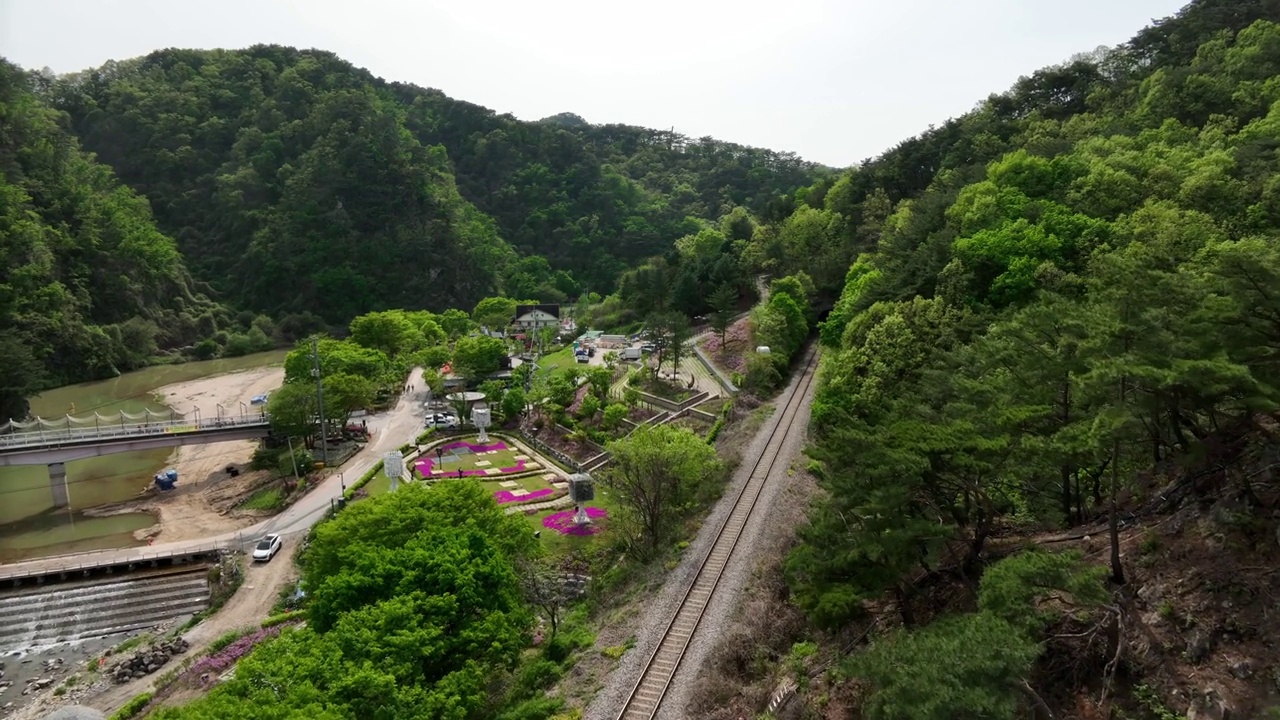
(390, 431)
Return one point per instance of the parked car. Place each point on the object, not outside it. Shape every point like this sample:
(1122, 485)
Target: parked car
(442, 420)
(267, 548)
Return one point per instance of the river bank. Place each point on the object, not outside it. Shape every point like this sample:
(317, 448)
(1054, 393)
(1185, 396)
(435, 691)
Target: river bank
(201, 504)
(114, 503)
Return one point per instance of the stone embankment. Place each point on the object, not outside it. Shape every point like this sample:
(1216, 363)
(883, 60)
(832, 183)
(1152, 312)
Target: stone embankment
(148, 660)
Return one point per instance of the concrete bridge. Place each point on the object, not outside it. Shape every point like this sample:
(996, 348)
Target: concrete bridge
(54, 447)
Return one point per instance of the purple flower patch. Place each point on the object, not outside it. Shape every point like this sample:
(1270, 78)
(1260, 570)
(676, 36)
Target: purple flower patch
(562, 522)
(506, 496)
(474, 448)
(212, 665)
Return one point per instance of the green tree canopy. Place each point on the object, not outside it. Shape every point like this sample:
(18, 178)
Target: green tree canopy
(658, 474)
(478, 357)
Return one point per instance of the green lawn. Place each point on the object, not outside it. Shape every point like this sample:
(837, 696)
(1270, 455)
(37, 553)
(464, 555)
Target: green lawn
(500, 459)
(531, 483)
(561, 358)
(558, 544)
(271, 498)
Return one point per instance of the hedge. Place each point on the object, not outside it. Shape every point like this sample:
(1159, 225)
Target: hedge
(364, 480)
(719, 423)
(284, 617)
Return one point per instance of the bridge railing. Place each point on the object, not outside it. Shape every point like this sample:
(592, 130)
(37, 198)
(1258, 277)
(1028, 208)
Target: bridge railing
(52, 437)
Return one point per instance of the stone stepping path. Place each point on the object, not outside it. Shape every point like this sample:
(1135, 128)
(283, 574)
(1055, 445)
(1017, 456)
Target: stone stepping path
(509, 484)
(492, 471)
(482, 463)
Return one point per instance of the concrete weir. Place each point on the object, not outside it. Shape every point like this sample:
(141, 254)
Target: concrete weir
(64, 612)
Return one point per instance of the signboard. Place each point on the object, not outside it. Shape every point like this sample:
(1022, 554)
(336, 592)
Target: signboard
(393, 464)
(581, 488)
(393, 467)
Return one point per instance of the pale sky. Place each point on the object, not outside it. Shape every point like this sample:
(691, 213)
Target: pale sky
(835, 81)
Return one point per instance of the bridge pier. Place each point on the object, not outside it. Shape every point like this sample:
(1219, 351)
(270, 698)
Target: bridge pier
(58, 484)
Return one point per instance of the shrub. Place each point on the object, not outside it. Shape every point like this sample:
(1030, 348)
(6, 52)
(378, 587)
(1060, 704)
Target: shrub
(614, 652)
(133, 707)
(206, 349)
(613, 416)
(299, 464)
(227, 638)
(363, 480)
(265, 458)
(762, 373)
(424, 436)
(535, 677)
(269, 499)
(283, 617)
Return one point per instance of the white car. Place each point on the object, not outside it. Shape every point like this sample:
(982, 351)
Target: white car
(267, 548)
(442, 420)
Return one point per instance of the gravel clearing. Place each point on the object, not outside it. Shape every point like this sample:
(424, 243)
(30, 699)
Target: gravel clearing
(608, 702)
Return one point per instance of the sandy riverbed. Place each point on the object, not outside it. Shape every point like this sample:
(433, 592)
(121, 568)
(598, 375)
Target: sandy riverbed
(233, 391)
(198, 507)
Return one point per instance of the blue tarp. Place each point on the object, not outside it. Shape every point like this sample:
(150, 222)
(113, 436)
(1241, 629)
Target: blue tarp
(167, 479)
(259, 400)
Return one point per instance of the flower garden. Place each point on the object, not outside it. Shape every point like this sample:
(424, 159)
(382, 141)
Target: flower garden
(514, 479)
(472, 460)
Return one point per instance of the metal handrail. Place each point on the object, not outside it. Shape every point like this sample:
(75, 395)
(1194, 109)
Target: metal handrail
(60, 436)
(92, 561)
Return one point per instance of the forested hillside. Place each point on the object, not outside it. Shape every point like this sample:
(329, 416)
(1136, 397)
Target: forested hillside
(294, 181)
(88, 285)
(1062, 312)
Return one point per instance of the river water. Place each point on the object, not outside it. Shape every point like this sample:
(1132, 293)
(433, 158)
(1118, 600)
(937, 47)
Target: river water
(30, 527)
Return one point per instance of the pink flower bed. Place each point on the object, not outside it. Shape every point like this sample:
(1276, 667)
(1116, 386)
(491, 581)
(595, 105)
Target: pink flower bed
(506, 496)
(426, 464)
(562, 522)
(226, 657)
(474, 448)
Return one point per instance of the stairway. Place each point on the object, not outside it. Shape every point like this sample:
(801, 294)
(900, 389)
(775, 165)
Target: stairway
(44, 616)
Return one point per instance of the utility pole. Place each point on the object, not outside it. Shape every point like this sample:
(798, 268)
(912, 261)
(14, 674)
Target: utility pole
(315, 372)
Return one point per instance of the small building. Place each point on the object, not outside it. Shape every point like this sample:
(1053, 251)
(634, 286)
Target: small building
(535, 317)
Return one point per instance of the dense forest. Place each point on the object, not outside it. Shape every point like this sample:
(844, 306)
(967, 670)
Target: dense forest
(88, 285)
(1061, 307)
(270, 192)
(293, 181)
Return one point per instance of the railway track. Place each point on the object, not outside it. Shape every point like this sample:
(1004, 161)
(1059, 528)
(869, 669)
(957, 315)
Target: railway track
(659, 670)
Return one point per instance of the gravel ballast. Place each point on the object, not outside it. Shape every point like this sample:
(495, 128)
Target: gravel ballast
(662, 607)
